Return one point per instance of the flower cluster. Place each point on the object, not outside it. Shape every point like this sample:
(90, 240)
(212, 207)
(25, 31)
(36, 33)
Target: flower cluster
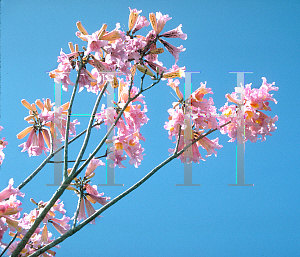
(128, 134)
(3, 144)
(87, 194)
(115, 52)
(42, 236)
(39, 133)
(250, 111)
(110, 52)
(188, 119)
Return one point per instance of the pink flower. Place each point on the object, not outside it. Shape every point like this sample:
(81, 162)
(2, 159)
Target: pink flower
(134, 13)
(117, 157)
(34, 144)
(61, 225)
(192, 154)
(134, 46)
(174, 86)
(209, 145)
(3, 229)
(87, 194)
(202, 112)
(90, 210)
(140, 23)
(93, 164)
(172, 49)
(175, 33)
(93, 194)
(174, 72)
(108, 115)
(62, 73)
(42, 236)
(9, 209)
(161, 21)
(85, 80)
(176, 119)
(94, 43)
(9, 190)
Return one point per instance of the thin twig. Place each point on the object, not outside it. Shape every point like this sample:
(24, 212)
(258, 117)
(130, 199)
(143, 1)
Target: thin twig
(177, 143)
(154, 83)
(78, 207)
(142, 79)
(87, 135)
(105, 155)
(11, 241)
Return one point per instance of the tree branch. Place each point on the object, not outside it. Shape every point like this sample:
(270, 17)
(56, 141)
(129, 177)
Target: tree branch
(68, 119)
(119, 197)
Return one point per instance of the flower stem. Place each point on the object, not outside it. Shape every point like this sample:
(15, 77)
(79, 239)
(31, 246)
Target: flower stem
(78, 207)
(88, 133)
(11, 241)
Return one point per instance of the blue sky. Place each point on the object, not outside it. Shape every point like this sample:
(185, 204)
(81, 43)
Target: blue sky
(159, 218)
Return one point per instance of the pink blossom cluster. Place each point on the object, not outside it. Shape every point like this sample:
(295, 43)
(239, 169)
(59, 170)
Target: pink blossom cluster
(256, 122)
(88, 194)
(128, 136)
(115, 52)
(188, 119)
(10, 213)
(3, 144)
(38, 132)
(42, 236)
(109, 52)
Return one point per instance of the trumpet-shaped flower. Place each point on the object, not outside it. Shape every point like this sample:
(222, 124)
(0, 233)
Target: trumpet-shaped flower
(175, 33)
(140, 23)
(172, 49)
(133, 17)
(93, 164)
